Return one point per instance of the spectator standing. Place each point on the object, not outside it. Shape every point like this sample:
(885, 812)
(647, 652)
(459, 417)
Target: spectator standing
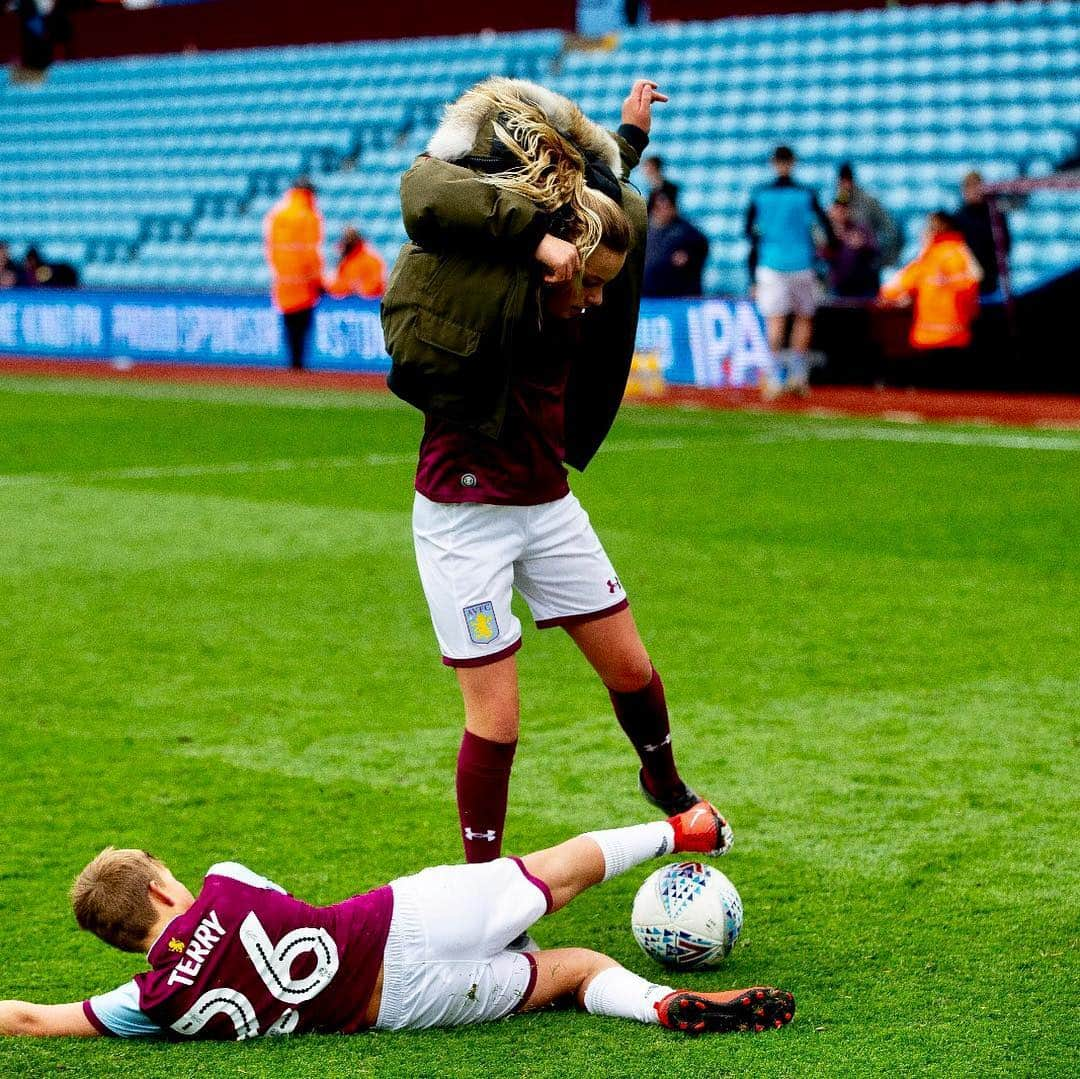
(11, 273)
(867, 211)
(36, 45)
(652, 169)
(944, 284)
(975, 220)
(361, 271)
(675, 251)
(293, 241)
(780, 223)
(853, 259)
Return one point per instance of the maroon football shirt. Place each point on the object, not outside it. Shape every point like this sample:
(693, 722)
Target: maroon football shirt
(524, 466)
(249, 959)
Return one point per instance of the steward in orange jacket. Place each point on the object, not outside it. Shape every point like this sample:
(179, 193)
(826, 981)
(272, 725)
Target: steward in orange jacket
(361, 271)
(944, 280)
(293, 242)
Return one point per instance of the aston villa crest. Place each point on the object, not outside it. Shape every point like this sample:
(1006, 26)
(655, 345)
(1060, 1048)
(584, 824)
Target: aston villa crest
(483, 626)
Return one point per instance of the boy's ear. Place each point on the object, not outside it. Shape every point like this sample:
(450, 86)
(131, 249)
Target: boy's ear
(157, 891)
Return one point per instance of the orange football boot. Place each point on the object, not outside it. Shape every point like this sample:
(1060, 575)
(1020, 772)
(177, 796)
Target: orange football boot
(757, 1009)
(701, 830)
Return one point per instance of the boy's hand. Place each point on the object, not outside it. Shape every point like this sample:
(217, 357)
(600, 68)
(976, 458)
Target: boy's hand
(561, 259)
(637, 108)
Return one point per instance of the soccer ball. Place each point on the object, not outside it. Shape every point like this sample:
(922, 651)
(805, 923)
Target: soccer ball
(687, 915)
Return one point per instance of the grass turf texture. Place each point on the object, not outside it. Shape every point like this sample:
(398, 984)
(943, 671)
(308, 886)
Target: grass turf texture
(216, 646)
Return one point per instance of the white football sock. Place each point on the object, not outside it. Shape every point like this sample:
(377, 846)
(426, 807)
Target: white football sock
(797, 367)
(623, 995)
(624, 848)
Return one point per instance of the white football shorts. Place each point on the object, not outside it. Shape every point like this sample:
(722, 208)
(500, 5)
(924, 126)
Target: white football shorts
(472, 555)
(445, 962)
(778, 293)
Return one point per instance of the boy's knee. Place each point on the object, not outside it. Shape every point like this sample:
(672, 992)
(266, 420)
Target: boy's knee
(591, 964)
(632, 676)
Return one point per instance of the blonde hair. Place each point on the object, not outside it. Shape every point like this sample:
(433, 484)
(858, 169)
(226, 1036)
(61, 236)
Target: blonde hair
(551, 173)
(110, 897)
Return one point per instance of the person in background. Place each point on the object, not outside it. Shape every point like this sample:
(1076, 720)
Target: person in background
(36, 40)
(975, 221)
(675, 251)
(41, 274)
(867, 211)
(11, 273)
(36, 271)
(652, 169)
(780, 224)
(943, 282)
(853, 259)
(294, 234)
(361, 271)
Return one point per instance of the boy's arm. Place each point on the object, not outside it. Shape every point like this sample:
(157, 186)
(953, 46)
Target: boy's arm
(633, 134)
(902, 283)
(45, 1020)
(444, 205)
(447, 207)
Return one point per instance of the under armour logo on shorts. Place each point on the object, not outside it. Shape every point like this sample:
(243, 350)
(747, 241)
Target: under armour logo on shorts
(490, 835)
(612, 584)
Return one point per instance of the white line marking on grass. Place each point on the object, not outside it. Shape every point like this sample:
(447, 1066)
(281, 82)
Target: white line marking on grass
(632, 446)
(928, 436)
(228, 468)
(283, 464)
(207, 393)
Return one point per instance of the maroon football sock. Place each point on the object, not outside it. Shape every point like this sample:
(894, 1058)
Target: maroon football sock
(483, 778)
(643, 715)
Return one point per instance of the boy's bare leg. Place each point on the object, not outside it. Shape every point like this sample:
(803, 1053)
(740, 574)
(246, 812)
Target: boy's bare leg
(579, 863)
(567, 869)
(598, 985)
(562, 973)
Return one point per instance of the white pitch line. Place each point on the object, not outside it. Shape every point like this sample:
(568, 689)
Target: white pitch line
(208, 393)
(227, 468)
(283, 464)
(789, 434)
(923, 435)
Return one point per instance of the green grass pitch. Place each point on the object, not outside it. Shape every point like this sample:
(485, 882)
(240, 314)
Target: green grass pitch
(215, 645)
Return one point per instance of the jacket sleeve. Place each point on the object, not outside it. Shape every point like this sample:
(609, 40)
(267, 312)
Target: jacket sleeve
(632, 142)
(446, 207)
(823, 221)
(601, 367)
(903, 282)
(1006, 236)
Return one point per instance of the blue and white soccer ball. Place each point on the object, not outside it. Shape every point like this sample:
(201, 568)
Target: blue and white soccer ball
(687, 915)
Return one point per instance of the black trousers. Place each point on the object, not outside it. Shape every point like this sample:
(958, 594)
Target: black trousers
(297, 329)
(934, 369)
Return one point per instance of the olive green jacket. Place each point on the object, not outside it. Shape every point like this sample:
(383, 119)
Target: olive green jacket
(465, 292)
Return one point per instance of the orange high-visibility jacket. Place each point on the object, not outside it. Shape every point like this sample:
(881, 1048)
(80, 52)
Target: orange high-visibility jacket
(293, 241)
(944, 280)
(362, 272)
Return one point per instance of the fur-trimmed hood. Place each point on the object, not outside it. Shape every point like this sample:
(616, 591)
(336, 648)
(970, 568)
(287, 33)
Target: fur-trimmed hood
(457, 134)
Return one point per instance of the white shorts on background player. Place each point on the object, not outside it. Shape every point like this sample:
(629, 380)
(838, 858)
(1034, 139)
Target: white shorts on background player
(778, 293)
(471, 556)
(445, 961)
